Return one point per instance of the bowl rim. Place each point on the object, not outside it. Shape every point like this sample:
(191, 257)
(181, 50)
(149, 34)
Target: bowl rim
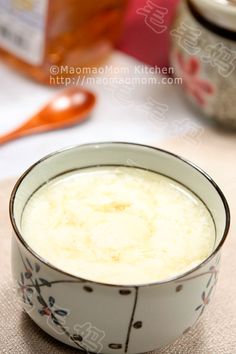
(80, 279)
(207, 11)
(228, 9)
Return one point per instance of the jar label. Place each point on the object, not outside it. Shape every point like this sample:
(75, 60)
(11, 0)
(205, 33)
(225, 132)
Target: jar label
(23, 28)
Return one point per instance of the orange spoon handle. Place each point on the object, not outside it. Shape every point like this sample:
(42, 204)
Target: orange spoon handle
(15, 134)
(68, 108)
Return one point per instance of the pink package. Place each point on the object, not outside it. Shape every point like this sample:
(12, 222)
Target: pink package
(146, 33)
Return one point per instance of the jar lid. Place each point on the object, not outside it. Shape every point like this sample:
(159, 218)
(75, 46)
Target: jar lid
(219, 12)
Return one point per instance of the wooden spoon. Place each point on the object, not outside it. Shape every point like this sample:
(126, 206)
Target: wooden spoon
(69, 107)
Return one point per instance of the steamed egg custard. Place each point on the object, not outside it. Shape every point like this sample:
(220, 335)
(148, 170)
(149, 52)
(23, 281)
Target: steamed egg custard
(118, 225)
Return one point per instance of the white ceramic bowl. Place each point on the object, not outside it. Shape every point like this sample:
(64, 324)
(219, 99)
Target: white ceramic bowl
(203, 54)
(108, 318)
(220, 12)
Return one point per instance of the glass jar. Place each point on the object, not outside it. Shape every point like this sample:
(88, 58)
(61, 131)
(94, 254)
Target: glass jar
(37, 34)
(203, 53)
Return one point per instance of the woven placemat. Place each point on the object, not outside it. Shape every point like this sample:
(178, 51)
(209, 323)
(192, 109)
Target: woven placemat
(214, 334)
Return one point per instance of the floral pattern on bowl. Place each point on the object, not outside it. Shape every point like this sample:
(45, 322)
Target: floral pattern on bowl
(206, 61)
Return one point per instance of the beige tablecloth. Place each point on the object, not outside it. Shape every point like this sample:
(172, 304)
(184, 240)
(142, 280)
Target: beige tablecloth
(215, 334)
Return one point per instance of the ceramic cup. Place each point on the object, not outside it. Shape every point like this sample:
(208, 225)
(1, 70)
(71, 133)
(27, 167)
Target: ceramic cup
(100, 317)
(203, 54)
